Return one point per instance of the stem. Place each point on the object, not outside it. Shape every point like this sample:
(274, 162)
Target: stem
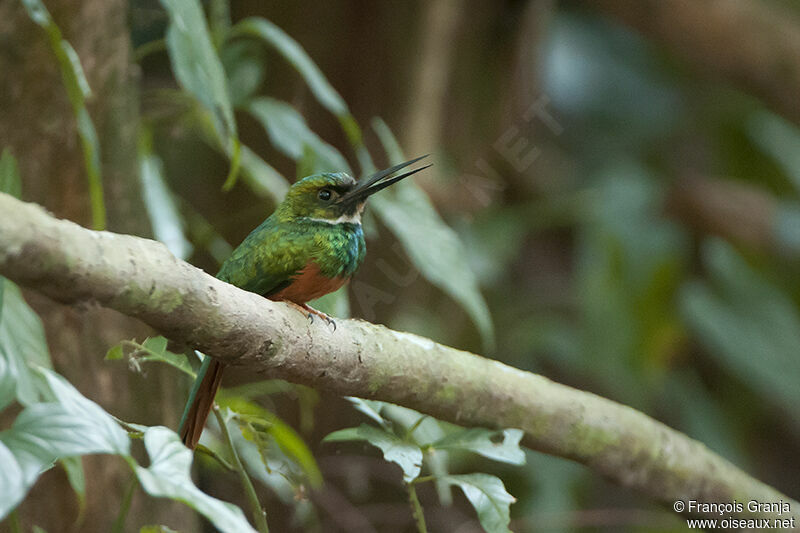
(412, 429)
(13, 522)
(416, 508)
(127, 498)
(259, 516)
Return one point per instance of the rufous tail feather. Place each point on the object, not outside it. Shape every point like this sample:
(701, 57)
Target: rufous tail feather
(201, 401)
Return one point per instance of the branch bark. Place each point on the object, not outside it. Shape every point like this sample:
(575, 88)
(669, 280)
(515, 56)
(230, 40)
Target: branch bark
(142, 279)
(751, 44)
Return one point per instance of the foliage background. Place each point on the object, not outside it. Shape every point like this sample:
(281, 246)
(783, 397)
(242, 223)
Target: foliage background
(632, 223)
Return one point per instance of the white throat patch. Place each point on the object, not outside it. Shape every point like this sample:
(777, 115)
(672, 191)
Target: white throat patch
(355, 218)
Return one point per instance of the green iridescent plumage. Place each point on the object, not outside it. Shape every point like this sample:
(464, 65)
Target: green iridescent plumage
(303, 229)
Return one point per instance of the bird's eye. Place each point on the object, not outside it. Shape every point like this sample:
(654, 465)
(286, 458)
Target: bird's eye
(325, 195)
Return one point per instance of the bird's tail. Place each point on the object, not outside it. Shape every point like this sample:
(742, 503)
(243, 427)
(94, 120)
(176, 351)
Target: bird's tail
(200, 401)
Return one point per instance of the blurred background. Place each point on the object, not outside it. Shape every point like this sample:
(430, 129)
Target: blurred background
(623, 178)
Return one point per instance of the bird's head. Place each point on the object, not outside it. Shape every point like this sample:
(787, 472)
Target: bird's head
(337, 197)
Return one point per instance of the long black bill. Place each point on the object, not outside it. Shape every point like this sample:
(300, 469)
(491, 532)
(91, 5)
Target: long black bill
(372, 184)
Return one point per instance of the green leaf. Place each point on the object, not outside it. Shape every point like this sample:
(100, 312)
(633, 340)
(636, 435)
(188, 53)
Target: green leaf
(168, 477)
(289, 133)
(488, 496)
(406, 454)
(244, 66)
(423, 429)
(432, 245)
(115, 353)
(498, 445)
(8, 375)
(153, 349)
(275, 37)
(371, 408)
(158, 200)
(199, 70)
(46, 432)
(22, 343)
(259, 426)
(12, 482)
(103, 433)
(155, 345)
(10, 182)
(749, 324)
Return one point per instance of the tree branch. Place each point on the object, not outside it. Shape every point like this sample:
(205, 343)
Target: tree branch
(142, 279)
(752, 44)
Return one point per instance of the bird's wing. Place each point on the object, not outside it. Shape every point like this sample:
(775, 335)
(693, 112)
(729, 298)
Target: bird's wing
(267, 260)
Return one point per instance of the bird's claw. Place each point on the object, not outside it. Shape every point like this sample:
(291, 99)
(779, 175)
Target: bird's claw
(311, 312)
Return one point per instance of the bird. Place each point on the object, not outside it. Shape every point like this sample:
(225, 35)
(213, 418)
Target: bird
(309, 246)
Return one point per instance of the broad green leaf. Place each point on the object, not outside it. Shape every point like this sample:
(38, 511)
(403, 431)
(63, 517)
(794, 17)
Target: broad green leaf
(105, 435)
(12, 483)
(289, 133)
(322, 90)
(424, 429)
(270, 469)
(156, 529)
(488, 496)
(10, 182)
(275, 37)
(749, 324)
(371, 408)
(406, 454)
(164, 217)
(168, 477)
(432, 245)
(260, 426)
(155, 345)
(244, 66)
(46, 432)
(498, 445)
(199, 70)
(22, 343)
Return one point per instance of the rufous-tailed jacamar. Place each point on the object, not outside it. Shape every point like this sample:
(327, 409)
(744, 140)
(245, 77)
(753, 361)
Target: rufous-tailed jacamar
(308, 247)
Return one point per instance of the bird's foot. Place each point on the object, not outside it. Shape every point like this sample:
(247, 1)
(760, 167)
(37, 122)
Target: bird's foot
(323, 316)
(310, 312)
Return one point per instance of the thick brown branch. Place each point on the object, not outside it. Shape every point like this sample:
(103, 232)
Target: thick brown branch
(141, 278)
(752, 44)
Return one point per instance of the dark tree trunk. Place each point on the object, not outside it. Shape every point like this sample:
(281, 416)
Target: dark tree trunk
(38, 125)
